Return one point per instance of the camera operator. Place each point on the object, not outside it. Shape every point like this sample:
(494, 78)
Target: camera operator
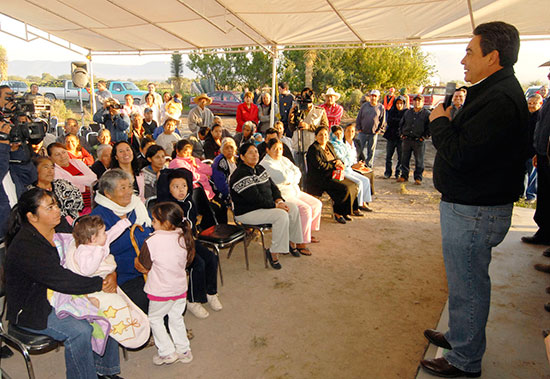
(304, 118)
(113, 120)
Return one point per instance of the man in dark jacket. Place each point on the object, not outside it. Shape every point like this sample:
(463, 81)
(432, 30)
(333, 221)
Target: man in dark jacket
(394, 116)
(413, 130)
(540, 143)
(478, 169)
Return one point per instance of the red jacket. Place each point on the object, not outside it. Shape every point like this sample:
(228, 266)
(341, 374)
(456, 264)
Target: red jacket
(245, 114)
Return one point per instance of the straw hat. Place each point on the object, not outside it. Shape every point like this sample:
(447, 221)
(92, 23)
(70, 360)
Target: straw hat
(332, 92)
(203, 96)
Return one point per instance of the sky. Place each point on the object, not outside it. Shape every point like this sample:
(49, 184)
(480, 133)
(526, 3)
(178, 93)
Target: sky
(445, 58)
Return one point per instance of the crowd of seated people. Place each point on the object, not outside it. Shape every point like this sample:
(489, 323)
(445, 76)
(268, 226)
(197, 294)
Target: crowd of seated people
(141, 155)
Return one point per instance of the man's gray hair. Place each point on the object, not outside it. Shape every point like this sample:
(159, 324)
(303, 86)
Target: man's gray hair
(109, 180)
(101, 148)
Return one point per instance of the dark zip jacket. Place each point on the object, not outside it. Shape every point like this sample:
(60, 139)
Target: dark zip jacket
(481, 153)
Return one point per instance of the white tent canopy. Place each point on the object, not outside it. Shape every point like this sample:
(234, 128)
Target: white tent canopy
(122, 26)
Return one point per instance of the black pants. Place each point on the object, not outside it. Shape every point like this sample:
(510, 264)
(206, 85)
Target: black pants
(417, 147)
(203, 274)
(344, 195)
(133, 288)
(391, 147)
(542, 214)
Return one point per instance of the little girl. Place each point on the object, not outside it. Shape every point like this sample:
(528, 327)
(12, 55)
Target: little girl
(86, 252)
(165, 255)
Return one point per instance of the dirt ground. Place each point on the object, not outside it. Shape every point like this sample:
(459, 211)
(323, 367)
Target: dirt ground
(355, 309)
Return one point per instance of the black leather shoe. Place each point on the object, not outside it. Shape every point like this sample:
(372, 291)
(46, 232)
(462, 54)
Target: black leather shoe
(5, 352)
(437, 338)
(546, 253)
(348, 218)
(547, 307)
(542, 268)
(274, 263)
(340, 219)
(109, 376)
(440, 367)
(535, 240)
(294, 251)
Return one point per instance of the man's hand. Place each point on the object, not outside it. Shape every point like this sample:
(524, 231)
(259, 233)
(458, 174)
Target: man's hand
(5, 127)
(15, 146)
(440, 111)
(339, 165)
(109, 283)
(303, 125)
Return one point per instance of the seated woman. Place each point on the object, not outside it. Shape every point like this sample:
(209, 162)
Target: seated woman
(224, 165)
(346, 152)
(74, 171)
(321, 163)
(156, 156)
(201, 174)
(116, 200)
(213, 142)
(76, 151)
(176, 185)
(287, 178)
(123, 157)
(67, 195)
(247, 135)
(257, 200)
(30, 240)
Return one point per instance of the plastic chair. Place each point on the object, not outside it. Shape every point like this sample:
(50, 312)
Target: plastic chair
(24, 341)
(91, 138)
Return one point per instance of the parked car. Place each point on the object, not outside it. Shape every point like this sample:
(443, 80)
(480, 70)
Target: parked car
(18, 87)
(223, 102)
(433, 96)
(531, 91)
(68, 91)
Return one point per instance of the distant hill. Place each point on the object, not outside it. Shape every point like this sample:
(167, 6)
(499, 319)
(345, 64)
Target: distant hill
(152, 70)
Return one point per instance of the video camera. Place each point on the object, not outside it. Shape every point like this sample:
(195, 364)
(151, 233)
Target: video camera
(304, 99)
(35, 109)
(112, 104)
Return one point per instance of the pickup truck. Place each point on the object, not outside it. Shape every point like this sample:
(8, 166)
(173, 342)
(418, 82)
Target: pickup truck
(433, 96)
(67, 91)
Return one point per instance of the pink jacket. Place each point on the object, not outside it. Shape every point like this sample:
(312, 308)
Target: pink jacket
(167, 276)
(81, 182)
(201, 172)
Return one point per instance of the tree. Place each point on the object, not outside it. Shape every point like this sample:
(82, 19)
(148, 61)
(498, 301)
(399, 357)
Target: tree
(177, 68)
(3, 64)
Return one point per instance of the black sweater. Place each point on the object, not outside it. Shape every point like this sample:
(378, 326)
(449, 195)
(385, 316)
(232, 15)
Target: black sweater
(481, 153)
(251, 189)
(33, 266)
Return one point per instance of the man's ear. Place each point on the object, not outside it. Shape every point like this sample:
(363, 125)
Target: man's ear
(494, 58)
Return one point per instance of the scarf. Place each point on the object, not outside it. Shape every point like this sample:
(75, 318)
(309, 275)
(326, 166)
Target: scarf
(142, 217)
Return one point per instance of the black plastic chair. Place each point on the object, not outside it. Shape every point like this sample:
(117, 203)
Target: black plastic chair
(24, 341)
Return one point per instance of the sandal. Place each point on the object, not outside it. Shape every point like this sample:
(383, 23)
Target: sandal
(294, 251)
(304, 251)
(339, 219)
(314, 240)
(273, 262)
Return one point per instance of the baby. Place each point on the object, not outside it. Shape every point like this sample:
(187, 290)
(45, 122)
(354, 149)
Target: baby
(86, 252)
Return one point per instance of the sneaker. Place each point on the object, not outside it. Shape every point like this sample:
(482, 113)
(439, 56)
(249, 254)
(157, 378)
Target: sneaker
(159, 361)
(185, 357)
(214, 302)
(197, 310)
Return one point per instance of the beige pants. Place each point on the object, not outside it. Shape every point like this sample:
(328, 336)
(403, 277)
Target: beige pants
(285, 226)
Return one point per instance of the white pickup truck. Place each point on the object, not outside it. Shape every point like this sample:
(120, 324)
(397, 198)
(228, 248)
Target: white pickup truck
(68, 91)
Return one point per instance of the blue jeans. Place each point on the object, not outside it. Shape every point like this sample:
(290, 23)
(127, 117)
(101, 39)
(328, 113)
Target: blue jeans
(80, 361)
(468, 235)
(368, 147)
(418, 148)
(530, 182)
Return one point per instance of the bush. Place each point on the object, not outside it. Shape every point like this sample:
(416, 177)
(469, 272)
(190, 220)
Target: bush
(351, 101)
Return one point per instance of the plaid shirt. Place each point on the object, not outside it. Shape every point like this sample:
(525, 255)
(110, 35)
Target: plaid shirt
(334, 113)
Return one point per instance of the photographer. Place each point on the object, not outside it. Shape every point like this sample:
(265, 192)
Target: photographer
(113, 120)
(304, 118)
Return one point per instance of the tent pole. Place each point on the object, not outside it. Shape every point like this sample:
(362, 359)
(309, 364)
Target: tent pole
(92, 97)
(273, 84)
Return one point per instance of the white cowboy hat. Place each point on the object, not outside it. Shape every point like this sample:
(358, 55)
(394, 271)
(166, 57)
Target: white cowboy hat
(203, 96)
(332, 92)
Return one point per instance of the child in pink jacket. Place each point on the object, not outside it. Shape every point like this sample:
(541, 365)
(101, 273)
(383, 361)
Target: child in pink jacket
(164, 256)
